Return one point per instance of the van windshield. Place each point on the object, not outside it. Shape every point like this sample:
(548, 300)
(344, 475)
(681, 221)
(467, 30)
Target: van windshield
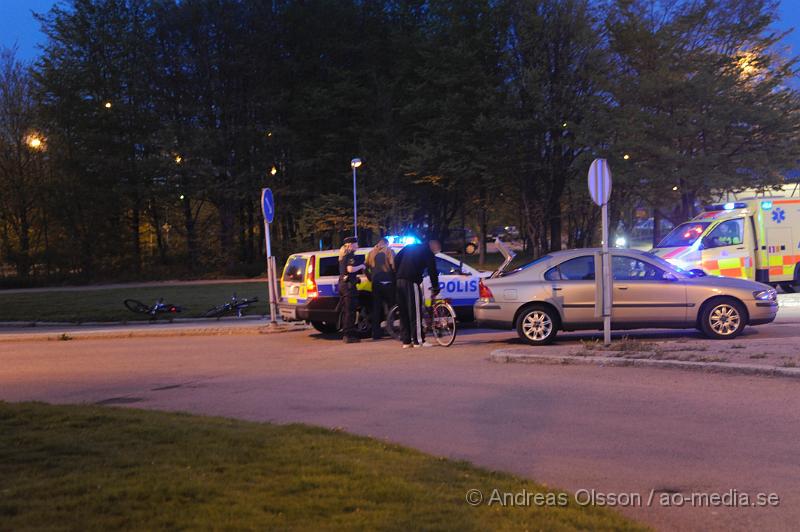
(685, 234)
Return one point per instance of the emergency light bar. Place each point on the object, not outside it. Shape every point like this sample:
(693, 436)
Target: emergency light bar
(402, 240)
(726, 206)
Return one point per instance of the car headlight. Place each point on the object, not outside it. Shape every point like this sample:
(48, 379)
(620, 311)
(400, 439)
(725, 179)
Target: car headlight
(766, 295)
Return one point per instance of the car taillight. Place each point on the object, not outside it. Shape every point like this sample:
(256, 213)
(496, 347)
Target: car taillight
(484, 293)
(311, 281)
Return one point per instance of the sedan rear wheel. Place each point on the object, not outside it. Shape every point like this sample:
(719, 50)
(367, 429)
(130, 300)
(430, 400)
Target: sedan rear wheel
(723, 319)
(537, 325)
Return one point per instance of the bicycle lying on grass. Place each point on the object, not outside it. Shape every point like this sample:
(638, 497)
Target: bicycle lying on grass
(239, 306)
(438, 319)
(159, 308)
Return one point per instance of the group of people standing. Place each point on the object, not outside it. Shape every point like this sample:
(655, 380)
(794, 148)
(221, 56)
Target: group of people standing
(395, 278)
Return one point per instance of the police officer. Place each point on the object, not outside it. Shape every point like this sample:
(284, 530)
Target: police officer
(348, 279)
(411, 263)
(380, 270)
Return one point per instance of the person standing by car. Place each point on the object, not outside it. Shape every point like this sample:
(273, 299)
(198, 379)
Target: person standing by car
(411, 263)
(380, 270)
(348, 294)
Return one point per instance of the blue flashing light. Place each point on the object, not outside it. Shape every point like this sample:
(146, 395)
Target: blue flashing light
(403, 240)
(766, 205)
(729, 206)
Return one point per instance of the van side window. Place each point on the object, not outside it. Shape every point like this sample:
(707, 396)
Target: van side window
(328, 267)
(729, 233)
(577, 269)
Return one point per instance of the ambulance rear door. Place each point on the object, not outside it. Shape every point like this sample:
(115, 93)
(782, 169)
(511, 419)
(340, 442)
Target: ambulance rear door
(780, 253)
(782, 223)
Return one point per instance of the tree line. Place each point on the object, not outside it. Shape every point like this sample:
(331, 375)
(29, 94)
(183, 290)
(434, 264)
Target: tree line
(137, 143)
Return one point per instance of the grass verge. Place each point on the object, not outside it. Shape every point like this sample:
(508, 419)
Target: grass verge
(92, 467)
(106, 304)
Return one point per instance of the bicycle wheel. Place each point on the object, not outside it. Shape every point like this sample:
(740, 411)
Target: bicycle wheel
(136, 306)
(444, 323)
(215, 312)
(392, 325)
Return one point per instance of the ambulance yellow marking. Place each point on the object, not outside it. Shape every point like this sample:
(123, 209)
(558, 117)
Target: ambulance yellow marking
(732, 272)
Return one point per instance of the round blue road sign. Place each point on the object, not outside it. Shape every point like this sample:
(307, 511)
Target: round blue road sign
(268, 205)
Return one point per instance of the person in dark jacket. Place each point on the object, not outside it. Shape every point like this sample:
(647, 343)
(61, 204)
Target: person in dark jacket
(348, 279)
(411, 263)
(380, 270)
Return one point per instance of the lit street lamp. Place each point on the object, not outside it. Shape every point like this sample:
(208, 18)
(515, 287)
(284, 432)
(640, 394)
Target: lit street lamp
(355, 163)
(273, 170)
(107, 105)
(34, 142)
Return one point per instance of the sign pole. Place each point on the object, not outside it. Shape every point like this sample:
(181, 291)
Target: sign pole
(355, 205)
(268, 209)
(273, 304)
(600, 190)
(606, 279)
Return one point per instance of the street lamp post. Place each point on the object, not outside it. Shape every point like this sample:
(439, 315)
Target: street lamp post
(355, 163)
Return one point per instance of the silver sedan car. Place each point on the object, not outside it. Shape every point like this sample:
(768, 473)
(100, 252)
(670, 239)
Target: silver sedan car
(558, 292)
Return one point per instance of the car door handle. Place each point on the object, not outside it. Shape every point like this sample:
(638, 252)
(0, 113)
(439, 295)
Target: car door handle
(740, 247)
(622, 287)
(557, 288)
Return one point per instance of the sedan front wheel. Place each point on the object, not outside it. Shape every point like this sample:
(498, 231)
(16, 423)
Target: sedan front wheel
(537, 325)
(723, 319)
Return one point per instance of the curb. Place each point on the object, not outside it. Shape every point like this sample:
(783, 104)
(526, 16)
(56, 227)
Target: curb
(515, 356)
(67, 335)
(33, 324)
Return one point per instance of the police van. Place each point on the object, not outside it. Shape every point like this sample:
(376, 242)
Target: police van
(755, 238)
(310, 288)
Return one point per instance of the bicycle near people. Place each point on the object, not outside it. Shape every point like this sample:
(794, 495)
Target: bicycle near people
(153, 311)
(438, 320)
(235, 305)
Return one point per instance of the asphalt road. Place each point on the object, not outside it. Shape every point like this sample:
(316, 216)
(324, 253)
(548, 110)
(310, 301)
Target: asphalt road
(609, 429)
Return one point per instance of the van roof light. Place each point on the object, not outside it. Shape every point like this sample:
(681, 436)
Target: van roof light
(726, 206)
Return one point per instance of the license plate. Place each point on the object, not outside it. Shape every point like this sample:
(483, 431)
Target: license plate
(289, 314)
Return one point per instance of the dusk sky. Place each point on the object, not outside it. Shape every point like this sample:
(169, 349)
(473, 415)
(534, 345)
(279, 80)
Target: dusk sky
(17, 25)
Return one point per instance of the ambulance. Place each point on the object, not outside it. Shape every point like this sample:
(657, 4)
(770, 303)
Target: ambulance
(754, 238)
(309, 288)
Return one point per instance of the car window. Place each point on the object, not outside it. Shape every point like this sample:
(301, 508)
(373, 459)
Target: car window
(295, 270)
(552, 274)
(525, 266)
(729, 233)
(577, 269)
(629, 269)
(445, 267)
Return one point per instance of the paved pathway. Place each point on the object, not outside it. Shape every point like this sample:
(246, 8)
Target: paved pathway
(610, 429)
